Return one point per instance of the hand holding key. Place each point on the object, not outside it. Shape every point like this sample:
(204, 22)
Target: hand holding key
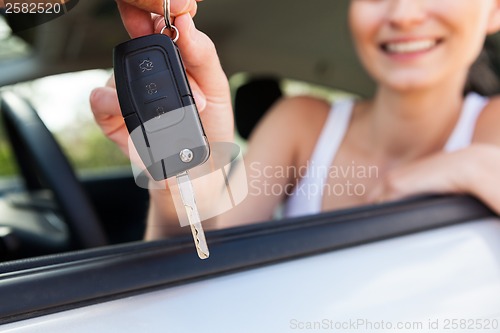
(157, 106)
(136, 14)
(208, 82)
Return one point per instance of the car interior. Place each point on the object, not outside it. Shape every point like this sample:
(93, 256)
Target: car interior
(59, 211)
(50, 210)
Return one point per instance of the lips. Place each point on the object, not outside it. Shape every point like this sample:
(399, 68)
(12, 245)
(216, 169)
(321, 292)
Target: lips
(410, 46)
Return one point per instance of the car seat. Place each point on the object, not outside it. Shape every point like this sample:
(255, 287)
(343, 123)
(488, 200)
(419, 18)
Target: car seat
(252, 100)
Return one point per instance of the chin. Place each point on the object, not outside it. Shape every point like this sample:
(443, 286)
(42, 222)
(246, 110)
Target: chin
(407, 83)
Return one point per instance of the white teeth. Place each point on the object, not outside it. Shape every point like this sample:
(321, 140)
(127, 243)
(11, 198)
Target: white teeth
(410, 47)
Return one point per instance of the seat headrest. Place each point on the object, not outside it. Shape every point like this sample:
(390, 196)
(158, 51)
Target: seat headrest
(251, 102)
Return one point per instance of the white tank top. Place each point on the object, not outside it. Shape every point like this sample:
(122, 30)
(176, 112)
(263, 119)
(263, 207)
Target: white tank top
(306, 198)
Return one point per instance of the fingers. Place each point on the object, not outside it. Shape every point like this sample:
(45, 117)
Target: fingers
(376, 194)
(429, 175)
(404, 182)
(137, 22)
(208, 80)
(106, 109)
(104, 103)
(200, 58)
(177, 7)
(198, 95)
(198, 51)
(111, 81)
(136, 15)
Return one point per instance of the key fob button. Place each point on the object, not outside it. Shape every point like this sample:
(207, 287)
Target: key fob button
(146, 62)
(155, 87)
(157, 105)
(154, 113)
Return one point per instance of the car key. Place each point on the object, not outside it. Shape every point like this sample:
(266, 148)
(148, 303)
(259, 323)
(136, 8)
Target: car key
(161, 116)
(188, 199)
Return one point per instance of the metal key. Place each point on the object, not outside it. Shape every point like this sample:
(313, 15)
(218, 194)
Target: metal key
(189, 201)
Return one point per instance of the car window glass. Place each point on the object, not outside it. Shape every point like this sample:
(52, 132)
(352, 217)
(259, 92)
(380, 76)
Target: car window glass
(62, 101)
(11, 46)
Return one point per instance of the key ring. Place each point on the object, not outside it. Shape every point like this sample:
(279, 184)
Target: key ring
(166, 18)
(173, 27)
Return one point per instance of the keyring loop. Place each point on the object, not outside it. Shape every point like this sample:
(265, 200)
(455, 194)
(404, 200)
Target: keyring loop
(166, 18)
(173, 27)
(166, 14)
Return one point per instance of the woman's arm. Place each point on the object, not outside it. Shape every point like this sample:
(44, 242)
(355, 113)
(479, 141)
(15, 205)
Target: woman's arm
(485, 181)
(473, 170)
(282, 141)
(280, 145)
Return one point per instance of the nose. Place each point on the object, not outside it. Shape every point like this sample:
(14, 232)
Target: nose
(405, 14)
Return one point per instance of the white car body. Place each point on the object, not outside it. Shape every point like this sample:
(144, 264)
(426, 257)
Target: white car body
(428, 281)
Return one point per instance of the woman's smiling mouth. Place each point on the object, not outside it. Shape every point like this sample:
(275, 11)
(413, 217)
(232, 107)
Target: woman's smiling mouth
(410, 47)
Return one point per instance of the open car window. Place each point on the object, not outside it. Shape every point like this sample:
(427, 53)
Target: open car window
(45, 270)
(62, 103)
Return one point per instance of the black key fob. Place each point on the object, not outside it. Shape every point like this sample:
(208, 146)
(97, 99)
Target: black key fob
(158, 107)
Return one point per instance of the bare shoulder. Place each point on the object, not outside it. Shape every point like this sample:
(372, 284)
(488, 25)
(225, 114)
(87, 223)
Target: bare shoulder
(295, 115)
(299, 108)
(299, 121)
(488, 125)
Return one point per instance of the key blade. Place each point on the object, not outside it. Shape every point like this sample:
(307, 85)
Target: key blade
(189, 201)
(200, 241)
